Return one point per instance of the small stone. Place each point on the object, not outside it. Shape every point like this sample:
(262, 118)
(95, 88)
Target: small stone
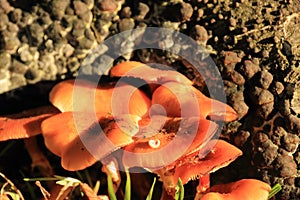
(17, 80)
(33, 75)
(16, 15)
(265, 110)
(232, 22)
(4, 21)
(285, 165)
(18, 67)
(278, 88)
(87, 18)
(290, 142)
(67, 50)
(248, 69)
(107, 5)
(179, 12)
(143, 10)
(73, 64)
(237, 78)
(5, 60)
(36, 33)
(261, 96)
(265, 79)
(80, 7)
(241, 138)
(266, 151)
(231, 58)
(126, 12)
(200, 34)
(4, 81)
(13, 29)
(126, 24)
(84, 43)
(45, 19)
(9, 43)
(58, 8)
(4, 5)
(89, 3)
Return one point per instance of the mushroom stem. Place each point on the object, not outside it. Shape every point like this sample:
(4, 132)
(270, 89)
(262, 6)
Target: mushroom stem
(204, 184)
(110, 166)
(38, 159)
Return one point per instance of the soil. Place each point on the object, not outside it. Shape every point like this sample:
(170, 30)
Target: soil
(255, 45)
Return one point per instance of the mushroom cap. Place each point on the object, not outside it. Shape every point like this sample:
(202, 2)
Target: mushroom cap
(21, 125)
(85, 96)
(179, 99)
(83, 138)
(246, 189)
(150, 75)
(176, 138)
(193, 166)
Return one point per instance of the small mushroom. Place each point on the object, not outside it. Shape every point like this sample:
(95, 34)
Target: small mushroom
(247, 189)
(81, 139)
(25, 124)
(179, 99)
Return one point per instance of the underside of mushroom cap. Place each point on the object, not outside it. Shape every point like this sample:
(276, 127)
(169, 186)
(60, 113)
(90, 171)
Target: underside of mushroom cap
(83, 138)
(176, 138)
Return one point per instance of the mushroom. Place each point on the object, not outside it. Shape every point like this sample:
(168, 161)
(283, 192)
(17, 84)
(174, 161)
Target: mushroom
(73, 136)
(25, 124)
(178, 99)
(247, 189)
(154, 77)
(175, 152)
(85, 96)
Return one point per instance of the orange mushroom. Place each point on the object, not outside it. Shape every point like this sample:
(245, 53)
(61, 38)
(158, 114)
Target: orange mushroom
(85, 96)
(25, 124)
(179, 99)
(154, 77)
(246, 189)
(167, 143)
(73, 135)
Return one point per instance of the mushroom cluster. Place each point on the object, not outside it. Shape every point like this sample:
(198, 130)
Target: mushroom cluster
(170, 131)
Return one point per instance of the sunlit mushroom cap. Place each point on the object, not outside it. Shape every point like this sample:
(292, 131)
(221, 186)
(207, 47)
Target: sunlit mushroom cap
(220, 154)
(246, 189)
(176, 138)
(179, 99)
(26, 124)
(150, 75)
(83, 138)
(85, 96)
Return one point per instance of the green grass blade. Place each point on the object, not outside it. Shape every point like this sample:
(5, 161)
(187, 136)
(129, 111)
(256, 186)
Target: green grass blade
(149, 196)
(179, 190)
(127, 187)
(110, 187)
(275, 189)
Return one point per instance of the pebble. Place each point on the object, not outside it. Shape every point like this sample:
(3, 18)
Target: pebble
(261, 96)
(58, 8)
(285, 165)
(107, 5)
(33, 75)
(248, 69)
(143, 10)
(265, 150)
(126, 24)
(126, 12)
(265, 110)
(265, 79)
(199, 34)
(231, 59)
(179, 12)
(4, 21)
(237, 78)
(290, 142)
(9, 43)
(4, 81)
(5, 6)
(277, 88)
(80, 7)
(16, 15)
(5, 60)
(241, 138)
(36, 34)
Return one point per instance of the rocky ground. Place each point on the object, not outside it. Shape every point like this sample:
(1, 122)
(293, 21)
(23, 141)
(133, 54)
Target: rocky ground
(255, 45)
